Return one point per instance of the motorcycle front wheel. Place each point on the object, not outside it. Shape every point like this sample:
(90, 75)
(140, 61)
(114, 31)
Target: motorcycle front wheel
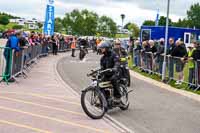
(93, 103)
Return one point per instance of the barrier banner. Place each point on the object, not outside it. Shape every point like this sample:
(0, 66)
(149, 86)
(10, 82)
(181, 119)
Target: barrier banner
(49, 19)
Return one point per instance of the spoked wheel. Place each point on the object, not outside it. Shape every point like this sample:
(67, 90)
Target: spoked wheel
(124, 99)
(81, 55)
(129, 78)
(93, 103)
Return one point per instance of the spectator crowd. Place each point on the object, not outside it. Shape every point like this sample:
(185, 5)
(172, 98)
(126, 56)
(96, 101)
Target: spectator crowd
(149, 56)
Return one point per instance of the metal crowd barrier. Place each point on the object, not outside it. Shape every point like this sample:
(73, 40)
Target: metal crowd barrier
(18, 63)
(197, 74)
(177, 69)
(62, 47)
(5, 63)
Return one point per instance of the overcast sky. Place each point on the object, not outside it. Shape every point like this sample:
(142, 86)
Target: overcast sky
(135, 10)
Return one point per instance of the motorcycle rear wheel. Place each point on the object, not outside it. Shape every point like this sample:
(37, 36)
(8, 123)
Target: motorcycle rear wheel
(124, 99)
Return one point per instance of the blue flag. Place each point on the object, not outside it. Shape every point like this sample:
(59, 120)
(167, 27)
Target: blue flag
(157, 19)
(49, 19)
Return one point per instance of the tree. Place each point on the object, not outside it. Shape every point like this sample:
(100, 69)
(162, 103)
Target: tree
(134, 29)
(58, 25)
(73, 22)
(193, 15)
(183, 23)
(90, 22)
(81, 22)
(148, 23)
(162, 21)
(4, 20)
(8, 15)
(40, 25)
(126, 25)
(107, 27)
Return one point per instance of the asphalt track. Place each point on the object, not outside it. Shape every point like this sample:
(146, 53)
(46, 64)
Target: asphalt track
(152, 110)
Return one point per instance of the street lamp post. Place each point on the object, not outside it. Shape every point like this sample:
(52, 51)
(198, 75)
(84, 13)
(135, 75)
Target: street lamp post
(166, 40)
(122, 17)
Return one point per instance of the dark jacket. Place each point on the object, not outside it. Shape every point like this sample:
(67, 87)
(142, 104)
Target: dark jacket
(138, 48)
(196, 55)
(160, 49)
(154, 49)
(110, 60)
(147, 48)
(179, 51)
(171, 49)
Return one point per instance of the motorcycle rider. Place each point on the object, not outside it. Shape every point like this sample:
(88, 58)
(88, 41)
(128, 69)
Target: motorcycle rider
(110, 60)
(123, 55)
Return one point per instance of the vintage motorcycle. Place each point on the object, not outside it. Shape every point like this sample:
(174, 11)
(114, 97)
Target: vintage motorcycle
(98, 98)
(83, 52)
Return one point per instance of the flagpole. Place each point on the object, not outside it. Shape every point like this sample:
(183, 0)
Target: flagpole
(166, 40)
(157, 18)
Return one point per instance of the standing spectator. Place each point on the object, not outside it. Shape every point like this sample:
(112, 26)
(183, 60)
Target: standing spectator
(180, 52)
(191, 65)
(62, 42)
(93, 43)
(13, 44)
(153, 51)
(159, 55)
(171, 59)
(137, 52)
(45, 45)
(196, 57)
(54, 44)
(98, 42)
(31, 40)
(145, 55)
(73, 46)
(131, 45)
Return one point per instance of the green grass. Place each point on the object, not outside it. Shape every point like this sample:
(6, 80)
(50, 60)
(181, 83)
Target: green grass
(121, 36)
(183, 86)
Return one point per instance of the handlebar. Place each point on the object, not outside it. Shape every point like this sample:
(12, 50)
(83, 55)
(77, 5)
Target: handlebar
(107, 70)
(101, 72)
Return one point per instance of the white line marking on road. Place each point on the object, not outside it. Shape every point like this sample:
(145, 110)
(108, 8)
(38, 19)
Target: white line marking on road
(43, 106)
(50, 98)
(55, 119)
(24, 126)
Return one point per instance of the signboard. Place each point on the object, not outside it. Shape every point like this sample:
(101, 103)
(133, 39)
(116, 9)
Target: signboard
(49, 19)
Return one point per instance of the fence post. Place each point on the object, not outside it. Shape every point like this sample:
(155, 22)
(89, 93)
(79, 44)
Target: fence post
(6, 69)
(197, 75)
